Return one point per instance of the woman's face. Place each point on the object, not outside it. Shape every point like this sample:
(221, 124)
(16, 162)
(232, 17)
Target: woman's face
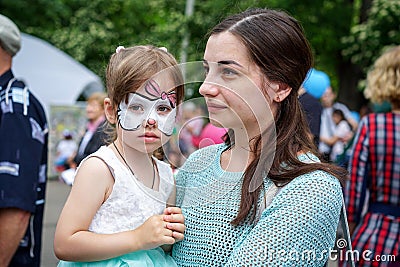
(235, 92)
(94, 110)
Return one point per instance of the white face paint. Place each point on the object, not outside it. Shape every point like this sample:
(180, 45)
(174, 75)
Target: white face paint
(141, 108)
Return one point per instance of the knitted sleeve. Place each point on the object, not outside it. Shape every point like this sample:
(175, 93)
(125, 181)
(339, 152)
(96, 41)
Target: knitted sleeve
(357, 186)
(297, 229)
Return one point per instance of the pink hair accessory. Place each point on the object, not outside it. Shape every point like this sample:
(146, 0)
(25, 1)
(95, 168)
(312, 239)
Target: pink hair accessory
(163, 48)
(119, 49)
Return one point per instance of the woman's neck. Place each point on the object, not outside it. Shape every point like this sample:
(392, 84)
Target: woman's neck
(237, 158)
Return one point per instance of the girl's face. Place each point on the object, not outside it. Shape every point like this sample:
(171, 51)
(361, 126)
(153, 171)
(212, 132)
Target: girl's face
(336, 118)
(147, 119)
(236, 94)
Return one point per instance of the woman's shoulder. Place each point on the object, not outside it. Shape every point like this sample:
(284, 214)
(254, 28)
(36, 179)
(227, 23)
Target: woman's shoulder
(317, 185)
(316, 180)
(208, 152)
(203, 157)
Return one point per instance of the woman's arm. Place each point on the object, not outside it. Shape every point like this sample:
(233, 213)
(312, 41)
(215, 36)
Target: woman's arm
(73, 241)
(297, 229)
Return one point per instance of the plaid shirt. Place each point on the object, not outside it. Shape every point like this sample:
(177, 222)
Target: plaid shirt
(375, 168)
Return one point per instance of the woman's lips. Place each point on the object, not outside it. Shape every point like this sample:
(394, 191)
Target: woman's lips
(213, 107)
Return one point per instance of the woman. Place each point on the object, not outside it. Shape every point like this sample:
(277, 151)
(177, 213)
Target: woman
(264, 190)
(94, 137)
(375, 167)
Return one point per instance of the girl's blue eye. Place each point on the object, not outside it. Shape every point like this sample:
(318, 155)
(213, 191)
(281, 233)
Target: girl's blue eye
(136, 108)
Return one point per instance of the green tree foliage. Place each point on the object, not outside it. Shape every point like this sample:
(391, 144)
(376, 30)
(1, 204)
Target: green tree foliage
(367, 40)
(91, 30)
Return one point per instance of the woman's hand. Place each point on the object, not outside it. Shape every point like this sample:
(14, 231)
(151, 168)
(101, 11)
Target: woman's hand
(175, 222)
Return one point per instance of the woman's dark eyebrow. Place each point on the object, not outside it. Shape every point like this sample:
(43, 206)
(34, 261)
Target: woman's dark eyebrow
(229, 62)
(224, 62)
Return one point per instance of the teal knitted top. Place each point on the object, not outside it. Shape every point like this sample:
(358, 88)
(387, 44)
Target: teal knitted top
(297, 228)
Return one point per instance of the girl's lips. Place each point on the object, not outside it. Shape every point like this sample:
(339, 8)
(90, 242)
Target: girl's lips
(149, 137)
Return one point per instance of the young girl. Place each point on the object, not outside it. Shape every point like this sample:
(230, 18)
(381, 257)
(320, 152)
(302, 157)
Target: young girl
(115, 214)
(342, 134)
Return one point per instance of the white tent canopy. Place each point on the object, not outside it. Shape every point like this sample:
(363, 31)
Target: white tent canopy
(53, 76)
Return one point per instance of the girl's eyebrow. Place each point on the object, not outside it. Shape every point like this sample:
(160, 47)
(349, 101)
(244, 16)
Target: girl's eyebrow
(225, 62)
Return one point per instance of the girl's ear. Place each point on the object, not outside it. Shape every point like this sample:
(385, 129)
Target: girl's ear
(281, 91)
(109, 110)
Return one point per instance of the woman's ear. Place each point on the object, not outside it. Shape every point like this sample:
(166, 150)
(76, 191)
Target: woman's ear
(281, 91)
(109, 111)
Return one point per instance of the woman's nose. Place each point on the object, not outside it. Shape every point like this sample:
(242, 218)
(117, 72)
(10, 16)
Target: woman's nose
(208, 89)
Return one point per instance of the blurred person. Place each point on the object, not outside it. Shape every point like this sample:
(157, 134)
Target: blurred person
(309, 93)
(375, 167)
(193, 122)
(94, 136)
(23, 160)
(328, 101)
(119, 210)
(66, 147)
(342, 134)
(209, 135)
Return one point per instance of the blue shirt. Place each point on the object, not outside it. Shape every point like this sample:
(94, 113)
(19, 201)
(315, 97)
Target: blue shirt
(301, 220)
(23, 161)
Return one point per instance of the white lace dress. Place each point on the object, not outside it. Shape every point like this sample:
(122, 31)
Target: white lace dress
(128, 206)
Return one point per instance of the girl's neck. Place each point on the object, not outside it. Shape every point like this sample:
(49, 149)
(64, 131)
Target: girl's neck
(133, 156)
(139, 163)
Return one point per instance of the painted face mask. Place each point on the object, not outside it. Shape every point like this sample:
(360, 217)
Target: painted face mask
(158, 107)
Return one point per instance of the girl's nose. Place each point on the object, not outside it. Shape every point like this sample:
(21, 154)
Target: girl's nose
(150, 122)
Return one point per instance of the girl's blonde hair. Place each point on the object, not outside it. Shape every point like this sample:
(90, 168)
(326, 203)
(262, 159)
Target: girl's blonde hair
(383, 80)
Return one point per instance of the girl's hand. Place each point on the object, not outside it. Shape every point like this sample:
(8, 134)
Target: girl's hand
(153, 233)
(175, 221)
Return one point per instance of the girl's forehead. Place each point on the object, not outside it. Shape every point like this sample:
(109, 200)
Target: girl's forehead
(157, 84)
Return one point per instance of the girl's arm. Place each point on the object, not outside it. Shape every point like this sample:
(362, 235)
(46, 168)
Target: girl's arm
(73, 242)
(297, 229)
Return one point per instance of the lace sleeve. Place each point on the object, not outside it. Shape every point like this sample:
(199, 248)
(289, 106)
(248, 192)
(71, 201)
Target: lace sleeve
(297, 229)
